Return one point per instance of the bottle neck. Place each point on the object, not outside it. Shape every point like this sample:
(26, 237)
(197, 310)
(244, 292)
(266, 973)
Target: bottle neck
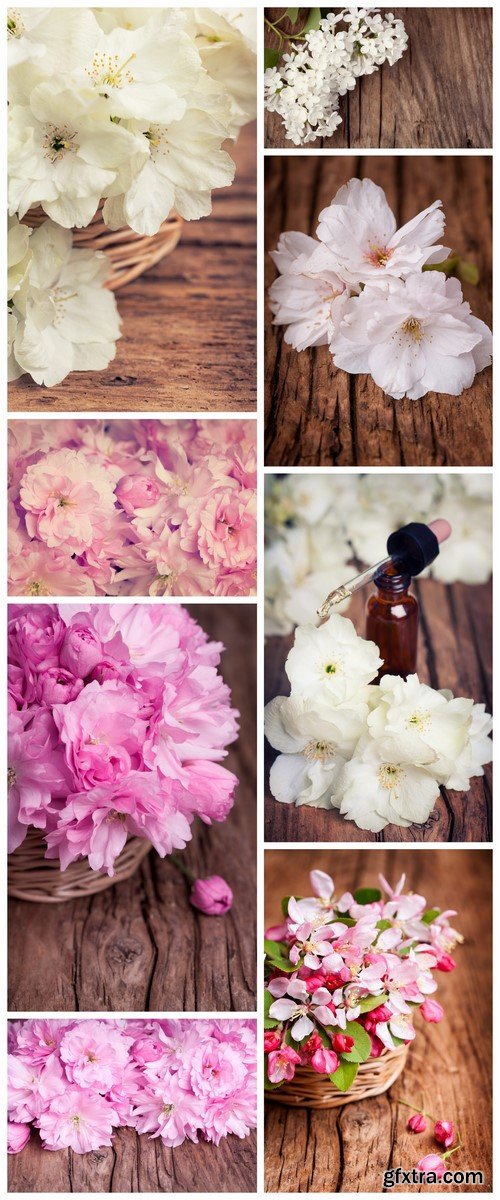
(392, 582)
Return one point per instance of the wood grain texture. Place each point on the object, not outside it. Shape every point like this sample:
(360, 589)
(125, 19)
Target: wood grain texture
(137, 1164)
(436, 96)
(189, 324)
(140, 946)
(319, 416)
(448, 1071)
(454, 652)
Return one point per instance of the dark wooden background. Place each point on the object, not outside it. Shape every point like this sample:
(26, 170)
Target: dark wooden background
(454, 652)
(449, 1065)
(318, 416)
(438, 95)
(139, 946)
(188, 325)
(137, 1164)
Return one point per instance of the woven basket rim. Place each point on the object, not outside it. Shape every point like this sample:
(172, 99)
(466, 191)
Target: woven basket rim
(32, 877)
(309, 1089)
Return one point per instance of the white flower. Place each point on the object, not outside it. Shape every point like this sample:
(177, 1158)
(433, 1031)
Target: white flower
(314, 746)
(478, 749)
(226, 39)
(418, 719)
(330, 664)
(309, 303)
(413, 336)
(361, 240)
(299, 568)
(377, 788)
(69, 321)
(469, 555)
(18, 257)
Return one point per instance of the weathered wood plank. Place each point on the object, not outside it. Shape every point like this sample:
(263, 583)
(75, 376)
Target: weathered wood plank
(318, 416)
(435, 96)
(448, 1071)
(189, 324)
(140, 946)
(454, 652)
(137, 1164)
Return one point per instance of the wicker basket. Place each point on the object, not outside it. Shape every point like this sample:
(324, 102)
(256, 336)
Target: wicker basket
(130, 253)
(308, 1089)
(31, 876)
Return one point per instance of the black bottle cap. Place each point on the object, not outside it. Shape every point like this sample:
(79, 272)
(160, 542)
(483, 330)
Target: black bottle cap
(414, 545)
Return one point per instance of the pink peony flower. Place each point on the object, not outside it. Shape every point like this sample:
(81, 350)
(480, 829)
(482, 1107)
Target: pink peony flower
(212, 896)
(57, 686)
(102, 733)
(444, 1133)
(17, 1137)
(432, 1011)
(35, 636)
(417, 1123)
(94, 1055)
(80, 1120)
(431, 1164)
(81, 650)
(66, 499)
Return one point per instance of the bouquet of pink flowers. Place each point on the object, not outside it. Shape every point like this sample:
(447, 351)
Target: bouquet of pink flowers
(132, 508)
(118, 720)
(346, 976)
(76, 1081)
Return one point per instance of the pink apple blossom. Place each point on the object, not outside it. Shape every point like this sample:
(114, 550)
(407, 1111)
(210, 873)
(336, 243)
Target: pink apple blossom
(444, 1133)
(431, 1164)
(432, 1011)
(17, 1137)
(282, 1063)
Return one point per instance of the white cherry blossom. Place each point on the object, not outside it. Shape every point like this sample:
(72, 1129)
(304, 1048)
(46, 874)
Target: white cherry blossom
(331, 663)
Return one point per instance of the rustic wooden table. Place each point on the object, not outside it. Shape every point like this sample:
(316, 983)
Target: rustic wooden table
(454, 652)
(139, 946)
(318, 416)
(439, 94)
(137, 1164)
(189, 324)
(448, 1070)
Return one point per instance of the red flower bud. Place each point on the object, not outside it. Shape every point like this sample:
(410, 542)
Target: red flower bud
(444, 1133)
(272, 1040)
(342, 1043)
(417, 1123)
(446, 963)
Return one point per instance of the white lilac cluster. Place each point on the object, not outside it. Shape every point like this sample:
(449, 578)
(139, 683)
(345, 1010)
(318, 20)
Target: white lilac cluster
(374, 294)
(124, 107)
(305, 88)
(376, 752)
(318, 526)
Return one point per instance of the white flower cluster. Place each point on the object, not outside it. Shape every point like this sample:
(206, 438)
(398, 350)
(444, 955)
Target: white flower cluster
(130, 106)
(306, 87)
(319, 525)
(61, 317)
(368, 290)
(378, 753)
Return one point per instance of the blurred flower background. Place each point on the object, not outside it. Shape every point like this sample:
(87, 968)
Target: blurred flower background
(322, 528)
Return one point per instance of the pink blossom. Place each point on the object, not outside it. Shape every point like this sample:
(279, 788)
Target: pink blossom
(94, 1055)
(417, 1123)
(215, 1069)
(325, 1061)
(272, 1040)
(446, 963)
(212, 895)
(282, 1063)
(342, 1043)
(35, 636)
(80, 1120)
(432, 1011)
(17, 1137)
(444, 1133)
(169, 1111)
(81, 650)
(102, 733)
(36, 774)
(66, 499)
(136, 492)
(431, 1164)
(57, 686)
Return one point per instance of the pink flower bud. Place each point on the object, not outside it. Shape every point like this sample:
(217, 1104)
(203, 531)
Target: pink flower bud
(325, 1061)
(81, 650)
(417, 1123)
(136, 491)
(342, 1043)
(432, 1011)
(57, 686)
(446, 963)
(444, 1133)
(147, 1050)
(17, 1136)
(431, 1164)
(377, 1047)
(272, 1040)
(212, 896)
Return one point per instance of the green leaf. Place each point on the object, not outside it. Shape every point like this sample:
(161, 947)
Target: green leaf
(430, 915)
(372, 1002)
(367, 895)
(270, 1024)
(362, 1044)
(284, 905)
(269, 1087)
(313, 19)
(344, 1075)
(468, 272)
(275, 949)
(383, 925)
(271, 58)
(292, 14)
(343, 920)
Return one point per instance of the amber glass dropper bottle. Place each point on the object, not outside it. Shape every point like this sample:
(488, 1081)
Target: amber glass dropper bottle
(392, 621)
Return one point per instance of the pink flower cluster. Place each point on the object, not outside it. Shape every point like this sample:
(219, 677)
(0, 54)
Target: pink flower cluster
(78, 1080)
(118, 720)
(346, 975)
(132, 508)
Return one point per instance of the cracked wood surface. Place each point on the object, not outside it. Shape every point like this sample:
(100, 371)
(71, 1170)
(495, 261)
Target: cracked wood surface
(434, 97)
(448, 1070)
(137, 1164)
(139, 946)
(454, 651)
(188, 325)
(319, 416)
